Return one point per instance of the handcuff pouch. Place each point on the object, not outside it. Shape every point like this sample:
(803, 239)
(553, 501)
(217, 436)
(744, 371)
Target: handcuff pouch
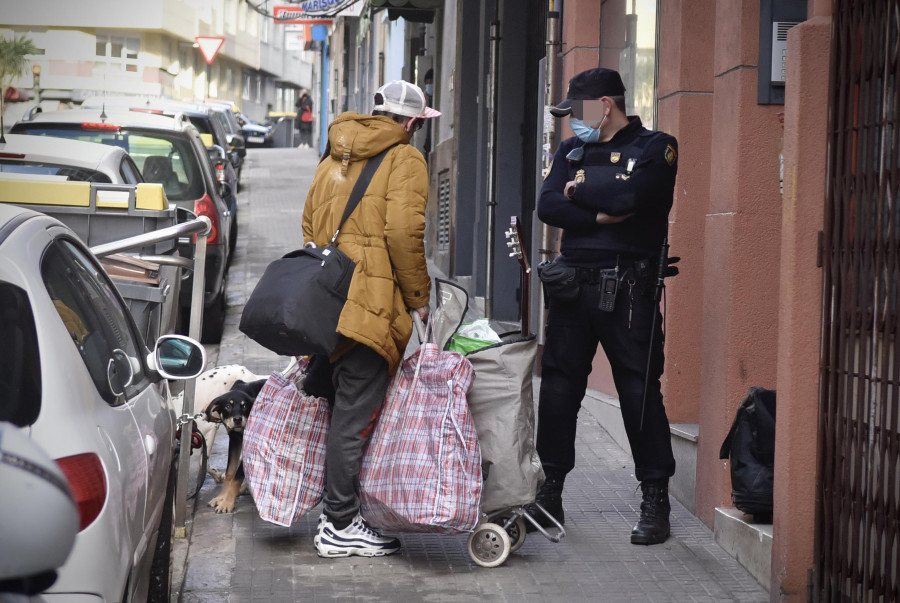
(560, 282)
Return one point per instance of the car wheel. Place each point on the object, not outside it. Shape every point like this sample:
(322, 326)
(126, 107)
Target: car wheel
(214, 320)
(161, 569)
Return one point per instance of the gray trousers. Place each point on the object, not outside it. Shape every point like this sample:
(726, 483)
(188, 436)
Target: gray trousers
(360, 381)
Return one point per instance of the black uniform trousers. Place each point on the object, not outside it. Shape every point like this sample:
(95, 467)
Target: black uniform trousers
(574, 328)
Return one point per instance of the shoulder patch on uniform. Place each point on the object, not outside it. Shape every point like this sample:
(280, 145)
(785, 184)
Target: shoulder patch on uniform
(671, 155)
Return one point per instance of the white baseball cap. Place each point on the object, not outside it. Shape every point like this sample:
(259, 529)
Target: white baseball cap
(402, 98)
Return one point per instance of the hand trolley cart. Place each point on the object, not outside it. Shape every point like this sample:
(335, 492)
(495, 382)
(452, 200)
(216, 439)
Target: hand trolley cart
(501, 401)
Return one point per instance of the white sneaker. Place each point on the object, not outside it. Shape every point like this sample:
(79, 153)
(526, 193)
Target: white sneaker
(356, 539)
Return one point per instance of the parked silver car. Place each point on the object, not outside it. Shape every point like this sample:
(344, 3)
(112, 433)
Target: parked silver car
(77, 377)
(67, 159)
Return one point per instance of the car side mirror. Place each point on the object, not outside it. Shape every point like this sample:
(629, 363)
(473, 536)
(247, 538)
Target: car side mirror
(177, 357)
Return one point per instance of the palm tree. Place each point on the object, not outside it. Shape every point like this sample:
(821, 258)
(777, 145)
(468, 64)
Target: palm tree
(13, 53)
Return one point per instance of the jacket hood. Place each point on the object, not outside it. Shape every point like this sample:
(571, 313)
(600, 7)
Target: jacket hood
(353, 136)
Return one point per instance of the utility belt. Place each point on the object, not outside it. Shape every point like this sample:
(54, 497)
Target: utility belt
(562, 282)
(593, 276)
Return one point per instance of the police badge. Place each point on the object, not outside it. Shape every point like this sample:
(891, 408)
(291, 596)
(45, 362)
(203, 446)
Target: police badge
(614, 157)
(671, 155)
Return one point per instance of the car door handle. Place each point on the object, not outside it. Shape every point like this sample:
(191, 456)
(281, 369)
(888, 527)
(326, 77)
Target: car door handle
(150, 444)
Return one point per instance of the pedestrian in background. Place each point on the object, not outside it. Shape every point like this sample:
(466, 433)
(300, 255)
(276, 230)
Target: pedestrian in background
(384, 236)
(610, 189)
(304, 107)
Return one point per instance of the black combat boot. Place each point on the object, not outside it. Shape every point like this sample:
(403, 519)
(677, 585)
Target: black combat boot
(549, 496)
(653, 526)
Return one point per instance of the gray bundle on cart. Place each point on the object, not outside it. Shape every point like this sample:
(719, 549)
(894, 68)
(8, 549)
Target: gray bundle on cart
(502, 404)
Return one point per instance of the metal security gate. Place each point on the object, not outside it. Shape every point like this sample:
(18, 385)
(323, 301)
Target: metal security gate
(858, 537)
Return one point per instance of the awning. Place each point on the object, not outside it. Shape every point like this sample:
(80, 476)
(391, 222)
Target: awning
(429, 4)
(416, 11)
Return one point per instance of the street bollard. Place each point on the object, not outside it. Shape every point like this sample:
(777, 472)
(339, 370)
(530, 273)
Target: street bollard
(187, 407)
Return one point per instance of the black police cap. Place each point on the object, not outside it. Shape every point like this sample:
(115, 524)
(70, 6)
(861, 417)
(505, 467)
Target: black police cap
(590, 84)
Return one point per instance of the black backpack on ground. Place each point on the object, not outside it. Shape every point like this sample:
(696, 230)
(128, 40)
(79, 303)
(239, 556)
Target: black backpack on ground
(751, 446)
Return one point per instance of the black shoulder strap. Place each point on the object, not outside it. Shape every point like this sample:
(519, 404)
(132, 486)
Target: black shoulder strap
(725, 450)
(362, 183)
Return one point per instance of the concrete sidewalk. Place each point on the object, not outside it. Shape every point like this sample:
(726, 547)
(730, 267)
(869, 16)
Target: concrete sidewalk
(238, 557)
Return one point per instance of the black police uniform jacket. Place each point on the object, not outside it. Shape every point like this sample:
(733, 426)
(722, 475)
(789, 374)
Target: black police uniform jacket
(633, 173)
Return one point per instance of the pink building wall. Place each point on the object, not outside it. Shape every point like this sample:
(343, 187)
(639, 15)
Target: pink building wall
(799, 324)
(742, 234)
(685, 103)
(746, 308)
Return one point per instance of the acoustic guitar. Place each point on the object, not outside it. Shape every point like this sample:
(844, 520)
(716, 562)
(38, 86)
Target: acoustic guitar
(514, 242)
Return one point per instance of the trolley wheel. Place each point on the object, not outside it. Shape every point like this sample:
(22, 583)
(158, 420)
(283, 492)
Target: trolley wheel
(515, 531)
(489, 545)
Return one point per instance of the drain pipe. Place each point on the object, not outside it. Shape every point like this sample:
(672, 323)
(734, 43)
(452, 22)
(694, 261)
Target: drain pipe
(493, 94)
(549, 234)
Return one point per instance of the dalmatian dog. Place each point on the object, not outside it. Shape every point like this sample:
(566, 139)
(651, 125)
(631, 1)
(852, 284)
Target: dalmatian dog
(212, 386)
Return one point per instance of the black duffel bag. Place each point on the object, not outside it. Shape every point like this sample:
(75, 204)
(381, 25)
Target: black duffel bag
(751, 446)
(295, 307)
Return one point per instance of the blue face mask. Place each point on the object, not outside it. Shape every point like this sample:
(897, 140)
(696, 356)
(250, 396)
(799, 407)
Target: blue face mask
(584, 132)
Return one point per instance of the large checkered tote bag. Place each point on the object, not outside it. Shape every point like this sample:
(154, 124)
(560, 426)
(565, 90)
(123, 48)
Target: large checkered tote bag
(284, 447)
(422, 468)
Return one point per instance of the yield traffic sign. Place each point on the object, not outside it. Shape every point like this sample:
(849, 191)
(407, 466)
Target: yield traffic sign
(209, 46)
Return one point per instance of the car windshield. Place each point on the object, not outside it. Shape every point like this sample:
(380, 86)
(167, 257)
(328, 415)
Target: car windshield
(49, 169)
(161, 157)
(205, 124)
(201, 123)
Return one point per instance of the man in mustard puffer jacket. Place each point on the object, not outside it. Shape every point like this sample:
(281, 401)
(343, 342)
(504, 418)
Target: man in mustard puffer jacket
(384, 236)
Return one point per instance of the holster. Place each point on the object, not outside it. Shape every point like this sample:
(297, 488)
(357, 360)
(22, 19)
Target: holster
(559, 281)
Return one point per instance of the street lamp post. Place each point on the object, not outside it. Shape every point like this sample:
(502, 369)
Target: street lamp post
(36, 73)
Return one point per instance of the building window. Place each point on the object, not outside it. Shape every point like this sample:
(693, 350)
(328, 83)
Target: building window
(117, 53)
(628, 45)
(264, 31)
(242, 16)
(231, 16)
(245, 88)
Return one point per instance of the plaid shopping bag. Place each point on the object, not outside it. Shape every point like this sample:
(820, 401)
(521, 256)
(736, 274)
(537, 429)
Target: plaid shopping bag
(422, 469)
(284, 447)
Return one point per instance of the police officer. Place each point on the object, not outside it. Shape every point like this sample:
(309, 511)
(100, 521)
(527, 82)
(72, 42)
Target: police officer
(610, 190)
